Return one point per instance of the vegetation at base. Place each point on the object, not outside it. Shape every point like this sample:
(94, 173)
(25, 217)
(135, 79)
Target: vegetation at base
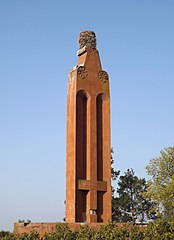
(25, 236)
(131, 205)
(161, 186)
(146, 200)
(114, 172)
(158, 230)
(62, 232)
(136, 197)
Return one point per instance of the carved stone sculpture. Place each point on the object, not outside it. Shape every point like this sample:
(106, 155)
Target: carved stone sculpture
(103, 76)
(88, 39)
(82, 72)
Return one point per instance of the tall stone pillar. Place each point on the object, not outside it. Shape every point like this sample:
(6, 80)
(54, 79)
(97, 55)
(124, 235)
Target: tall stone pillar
(88, 160)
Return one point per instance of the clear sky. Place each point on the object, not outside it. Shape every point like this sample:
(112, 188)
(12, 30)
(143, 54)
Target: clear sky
(38, 45)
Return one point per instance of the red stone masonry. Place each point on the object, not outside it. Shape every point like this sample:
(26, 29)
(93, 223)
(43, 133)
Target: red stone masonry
(47, 227)
(88, 161)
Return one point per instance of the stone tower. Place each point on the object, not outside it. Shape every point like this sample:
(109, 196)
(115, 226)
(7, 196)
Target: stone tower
(88, 160)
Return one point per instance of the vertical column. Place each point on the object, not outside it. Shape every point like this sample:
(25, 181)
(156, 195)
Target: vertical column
(92, 148)
(88, 158)
(71, 150)
(107, 209)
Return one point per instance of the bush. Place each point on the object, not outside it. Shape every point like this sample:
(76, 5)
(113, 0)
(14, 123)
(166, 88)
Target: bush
(5, 235)
(85, 233)
(159, 230)
(105, 231)
(136, 232)
(61, 232)
(29, 236)
(112, 231)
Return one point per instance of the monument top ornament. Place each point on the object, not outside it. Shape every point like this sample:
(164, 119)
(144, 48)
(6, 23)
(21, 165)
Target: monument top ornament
(87, 39)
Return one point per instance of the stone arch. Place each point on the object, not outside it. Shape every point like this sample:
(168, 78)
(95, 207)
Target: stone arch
(81, 132)
(82, 100)
(99, 127)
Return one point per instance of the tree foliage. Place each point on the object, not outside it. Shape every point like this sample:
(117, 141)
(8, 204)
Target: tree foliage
(114, 172)
(161, 186)
(131, 205)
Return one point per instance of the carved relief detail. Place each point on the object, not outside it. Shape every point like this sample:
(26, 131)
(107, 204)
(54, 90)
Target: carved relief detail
(103, 76)
(81, 71)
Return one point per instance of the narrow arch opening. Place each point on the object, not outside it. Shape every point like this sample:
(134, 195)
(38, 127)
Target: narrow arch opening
(81, 153)
(81, 134)
(99, 119)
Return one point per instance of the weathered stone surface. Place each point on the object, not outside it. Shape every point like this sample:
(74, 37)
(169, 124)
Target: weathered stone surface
(47, 227)
(41, 228)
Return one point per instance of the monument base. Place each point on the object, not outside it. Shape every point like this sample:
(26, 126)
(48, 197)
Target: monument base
(46, 227)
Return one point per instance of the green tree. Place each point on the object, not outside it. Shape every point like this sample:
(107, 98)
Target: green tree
(130, 203)
(114, 172)
(161, 186)
(114, 175)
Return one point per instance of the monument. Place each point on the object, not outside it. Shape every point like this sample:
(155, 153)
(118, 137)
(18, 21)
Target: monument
(88, 160)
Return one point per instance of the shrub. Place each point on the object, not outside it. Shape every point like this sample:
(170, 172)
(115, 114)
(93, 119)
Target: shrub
(136, 233)
(84, 232)
(160, 230)
(29, 236)
(111, 231)
(6, 235)
(61, 232)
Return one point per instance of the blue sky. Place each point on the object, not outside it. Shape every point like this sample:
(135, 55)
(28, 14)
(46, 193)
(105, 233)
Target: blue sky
(38, 45)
